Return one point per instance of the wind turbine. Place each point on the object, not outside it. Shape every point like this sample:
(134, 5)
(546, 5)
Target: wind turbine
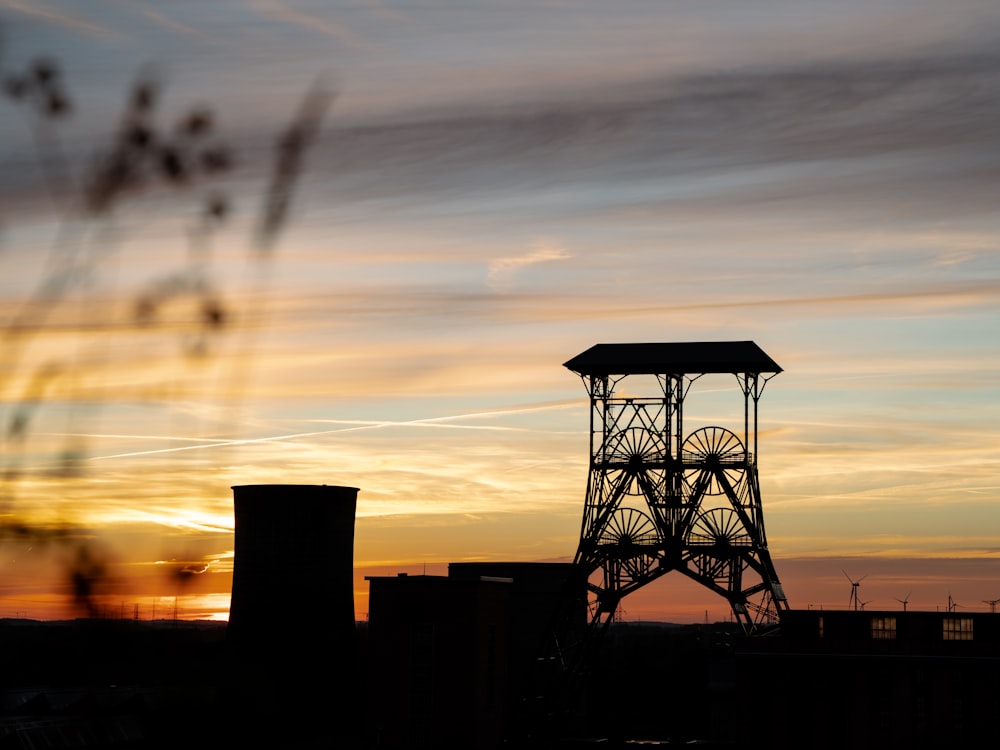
(869, 601)
(904, 601)
(952, 604)
(853, 604)
(992, 603)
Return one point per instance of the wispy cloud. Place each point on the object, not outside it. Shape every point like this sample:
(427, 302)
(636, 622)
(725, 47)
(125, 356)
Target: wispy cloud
(926, 109)
(502, 271)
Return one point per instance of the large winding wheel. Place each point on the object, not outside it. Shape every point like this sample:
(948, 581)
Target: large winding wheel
(719, 528)
(710, 454)
(636, 457)
(713, 543)
(628, 545)
(629, 532)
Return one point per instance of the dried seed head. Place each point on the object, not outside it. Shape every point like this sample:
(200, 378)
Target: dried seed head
(16, 87)
(57, 105)
(139, 136)
(217, 207)
(197, 123)
(213, 314)
(216, 160)
(45, 71)
(144, 96)
(172, 165)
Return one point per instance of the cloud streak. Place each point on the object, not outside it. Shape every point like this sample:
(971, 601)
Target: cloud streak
(502, 271)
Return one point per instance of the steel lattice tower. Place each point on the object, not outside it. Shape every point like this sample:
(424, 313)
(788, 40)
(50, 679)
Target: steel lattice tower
(660, 499)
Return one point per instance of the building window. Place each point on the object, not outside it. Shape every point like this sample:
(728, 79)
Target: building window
(883, 628)
(819, 622)
(957, 629)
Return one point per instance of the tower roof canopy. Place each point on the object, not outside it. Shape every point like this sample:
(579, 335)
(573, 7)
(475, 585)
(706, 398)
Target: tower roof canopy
(673, 359)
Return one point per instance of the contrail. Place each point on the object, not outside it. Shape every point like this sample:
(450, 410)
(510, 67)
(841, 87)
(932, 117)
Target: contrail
(224, 443)
(556, 405)
(355, 426)
(130, 437)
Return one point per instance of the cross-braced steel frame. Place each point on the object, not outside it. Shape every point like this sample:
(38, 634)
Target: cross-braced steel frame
(659, 501)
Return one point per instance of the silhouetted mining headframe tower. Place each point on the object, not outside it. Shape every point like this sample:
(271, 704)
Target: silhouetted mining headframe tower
(660, 499)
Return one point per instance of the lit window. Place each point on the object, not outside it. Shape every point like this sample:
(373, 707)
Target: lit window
(957, 629)
(883, 627)
(820, 623)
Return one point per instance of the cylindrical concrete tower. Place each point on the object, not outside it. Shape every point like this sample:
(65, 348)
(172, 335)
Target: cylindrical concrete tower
(294, 561)
(291, 618)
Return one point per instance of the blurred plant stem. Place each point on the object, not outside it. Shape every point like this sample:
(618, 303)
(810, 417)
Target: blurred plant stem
(143, 158)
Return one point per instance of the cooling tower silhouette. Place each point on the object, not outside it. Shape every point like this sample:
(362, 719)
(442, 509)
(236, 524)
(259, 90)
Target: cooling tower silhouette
(291, 618)
(294, 562)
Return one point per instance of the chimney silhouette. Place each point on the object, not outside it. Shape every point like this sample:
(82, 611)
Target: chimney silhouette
(292, 607)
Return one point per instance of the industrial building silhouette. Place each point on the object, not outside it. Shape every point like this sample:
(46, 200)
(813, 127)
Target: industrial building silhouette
(451, 657)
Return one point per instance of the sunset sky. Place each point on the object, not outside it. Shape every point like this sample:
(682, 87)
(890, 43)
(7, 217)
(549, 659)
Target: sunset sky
(495, 188)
